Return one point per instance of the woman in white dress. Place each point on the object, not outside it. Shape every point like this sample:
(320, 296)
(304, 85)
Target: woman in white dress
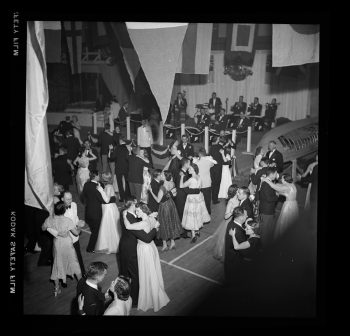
(147, 178)
(65, 258)
(151, 292)
(290, 210)
(195, 211)
(110, 230)
(226, 176)
(217, 245)
(83, 173)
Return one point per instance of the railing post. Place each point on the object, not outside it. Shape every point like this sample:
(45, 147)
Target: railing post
(161, 133)
(128, 127)
(206, 139)
(94, 122)
(294, 169)
(111, 121)
(249, 140)
(233, 139)
(183, 129)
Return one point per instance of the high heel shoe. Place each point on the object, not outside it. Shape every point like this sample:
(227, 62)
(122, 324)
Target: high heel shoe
(194, 239)
(172, 247)
(198, 234)
(57, 291)
(163, 249)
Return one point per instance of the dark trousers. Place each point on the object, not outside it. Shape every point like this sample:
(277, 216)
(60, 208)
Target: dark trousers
(136, 190)
(123, 193)
(149, 152)
(180, 203)
(207, 198)
(129, 268)
(46, 245)
(267, 229)
(94, 224)
(215, 174)
(76, 246)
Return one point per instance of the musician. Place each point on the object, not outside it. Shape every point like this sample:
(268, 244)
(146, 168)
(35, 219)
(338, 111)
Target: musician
(215, 103)
(241, 126)
(203, 120)
(239, 106)
(254, 109)
(221, 121)
(180, 106)
(270, 113)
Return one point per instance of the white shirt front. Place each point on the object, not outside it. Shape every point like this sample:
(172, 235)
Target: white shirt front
(271, 153)
(73, 215)
(144, 136)
(93, 285)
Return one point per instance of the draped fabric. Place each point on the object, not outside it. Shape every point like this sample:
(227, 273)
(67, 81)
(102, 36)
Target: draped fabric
(38, 170)
(292, 92)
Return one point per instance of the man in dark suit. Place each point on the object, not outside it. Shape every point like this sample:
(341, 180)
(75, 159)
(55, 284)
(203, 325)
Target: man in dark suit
(180, 106)
(120, 155)
(268, 200)
(239, 106)
(128, 247)
(241, 126)
(203, 120)
(61, 169)
(221, 121)
(88, 288)
(93, 200)
(254, 109)
(215, 103)
(105, 140)
(270, 113)
(255, 176)
(155, 186)
(216, 171)
(243, 196)
(72, 144)
(275, 156)
(185, 148)
(233, 259)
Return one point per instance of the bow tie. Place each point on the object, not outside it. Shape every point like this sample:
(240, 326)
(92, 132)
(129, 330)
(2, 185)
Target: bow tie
(68, 206)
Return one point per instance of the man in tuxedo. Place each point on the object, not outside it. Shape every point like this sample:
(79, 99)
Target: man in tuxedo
(145, 139)
(270, 113)
(255, 176)
(221, 121)
(215, 103)
(89, 291)
(185, 148)
(239, 106)
(120, 155)
(216, 170)
(180, 106)
(182, 193)
(62, 169)
(203, 120)
(72, 213)
(243, 197)
(72, 144)
(268, 200)
(105, 140)
(153, 205)
(254, 109)
(275, 156)
(241, 126)
(93, 197)
(233, 259)
(128, 248)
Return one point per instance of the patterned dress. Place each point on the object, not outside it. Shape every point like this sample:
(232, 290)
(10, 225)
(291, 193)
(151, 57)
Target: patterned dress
(83, 173)
(169, 220)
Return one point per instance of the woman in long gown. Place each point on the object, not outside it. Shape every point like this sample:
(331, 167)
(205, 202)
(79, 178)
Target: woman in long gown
(147, 178)
(83, 173)
(65, 258)
(259, 153)
(218, 239)
(151, 292)
(195, 211)
(170, 223)
(290, 210)
(110, 230)
(226, 176)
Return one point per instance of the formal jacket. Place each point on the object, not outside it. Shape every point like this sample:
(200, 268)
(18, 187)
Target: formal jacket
(248, 206)
(276, 157)
(181, 193)
(61, 170)
(217, 106)
(187, 151)
(94, 299)
(93, 201)
(73, 147)
(214, 152)
(203, 120)
(144, 136)
(180, 104)
(93, 163)
(241, 127)
(152, 203)
(240, 235)
(105, 139)
(255, 110)
(136, 165)
(256, 177)
(268, 199)
(120, 155)
(237, 108)
(270, 112)
(222, 122)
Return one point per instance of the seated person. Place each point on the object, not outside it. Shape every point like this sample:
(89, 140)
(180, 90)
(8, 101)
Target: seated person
(239, 106)
(65, 125)
(215, 103)
(254, 109)
(241, 126)
(270, 113)
(203, 120)
(221, 121)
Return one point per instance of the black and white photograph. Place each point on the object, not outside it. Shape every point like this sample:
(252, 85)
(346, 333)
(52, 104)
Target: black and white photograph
(171, 168)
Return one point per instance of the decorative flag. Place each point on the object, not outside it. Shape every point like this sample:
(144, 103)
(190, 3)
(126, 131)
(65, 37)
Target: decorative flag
(73, 31)
(158, 47)
(38, 171)
(295, 44)
(240, 44)
(211, 70)
(131, 59)
(196, 47)
(52, 31)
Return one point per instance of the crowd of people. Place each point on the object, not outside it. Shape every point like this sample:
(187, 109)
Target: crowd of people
(158, 208)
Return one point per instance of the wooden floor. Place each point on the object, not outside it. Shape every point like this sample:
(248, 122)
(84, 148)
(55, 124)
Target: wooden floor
(193, 278)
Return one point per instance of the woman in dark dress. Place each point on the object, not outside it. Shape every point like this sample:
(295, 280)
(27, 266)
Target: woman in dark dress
(169, 220)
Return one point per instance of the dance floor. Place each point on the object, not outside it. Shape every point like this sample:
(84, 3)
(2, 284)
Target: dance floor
(193, 279)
